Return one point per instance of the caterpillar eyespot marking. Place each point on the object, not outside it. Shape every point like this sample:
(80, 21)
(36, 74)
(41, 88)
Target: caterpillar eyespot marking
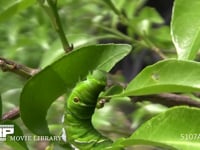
(76, 99)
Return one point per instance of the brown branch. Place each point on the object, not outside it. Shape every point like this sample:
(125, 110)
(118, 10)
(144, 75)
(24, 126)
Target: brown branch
(197, 95)
(11, 115)
(24, 71)
(168, 99)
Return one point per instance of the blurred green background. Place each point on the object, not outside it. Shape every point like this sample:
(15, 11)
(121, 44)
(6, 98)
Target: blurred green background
(27, 37)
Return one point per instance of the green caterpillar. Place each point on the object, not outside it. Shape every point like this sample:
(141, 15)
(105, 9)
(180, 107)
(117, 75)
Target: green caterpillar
(80, 107)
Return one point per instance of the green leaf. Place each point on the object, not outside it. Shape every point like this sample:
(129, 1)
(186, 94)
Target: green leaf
(15, 8)
(79, 40)
(15, 144)
(145, 112)
(171, 128)
(131, 7)
(130, 142)
(166, 76)
(150, 14)
(161, 38)
(112, 7)
(185, 28)
(6, 4)
(42, 89)
(0, 106)
(115, 89)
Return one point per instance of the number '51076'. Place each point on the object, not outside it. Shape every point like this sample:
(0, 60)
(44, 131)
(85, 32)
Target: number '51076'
(190, 136)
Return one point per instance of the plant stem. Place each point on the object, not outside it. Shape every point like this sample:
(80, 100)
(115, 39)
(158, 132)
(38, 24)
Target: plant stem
(11, 115)
(112, 6)
(116, 11)
(153, 47)
(158, 51)
(116, 32)
(168, 99)
(57, 24)
(24, 71)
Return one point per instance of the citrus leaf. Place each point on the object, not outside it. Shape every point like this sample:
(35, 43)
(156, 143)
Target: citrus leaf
(15, 8)
(0, 106)
(130, 142)
(53, 81)
(166, 76)
(185, 28)
(171, 128)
